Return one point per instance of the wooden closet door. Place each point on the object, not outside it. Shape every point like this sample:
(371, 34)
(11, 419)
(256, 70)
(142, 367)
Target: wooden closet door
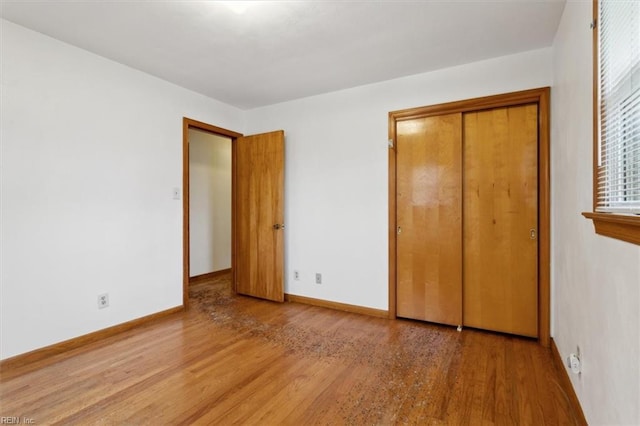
(500, 220)
(428, 194)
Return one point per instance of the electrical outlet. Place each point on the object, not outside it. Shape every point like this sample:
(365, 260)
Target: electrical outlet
(296, 275)
(574, 362)
(318, 278)
(103, 301)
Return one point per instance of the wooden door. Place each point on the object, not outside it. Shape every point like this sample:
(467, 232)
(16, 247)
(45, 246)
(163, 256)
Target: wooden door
(259, 215)
(500, 220)
(428, 194)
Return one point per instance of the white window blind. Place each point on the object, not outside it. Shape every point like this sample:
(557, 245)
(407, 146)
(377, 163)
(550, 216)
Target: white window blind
(618, 187)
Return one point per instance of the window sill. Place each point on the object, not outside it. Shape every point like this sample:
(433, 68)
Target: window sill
(618, 226)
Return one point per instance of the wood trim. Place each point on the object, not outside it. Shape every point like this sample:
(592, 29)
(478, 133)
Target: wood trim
(618, 226)
(76, 342)
(596, 105)
(188, 123)
(234, 209)
(336, 305)
(185, 212)
(566, 386)
(541, 96)
(208, 276)
(392, 219)
(544, 217)
(211, 128)
(475, 104)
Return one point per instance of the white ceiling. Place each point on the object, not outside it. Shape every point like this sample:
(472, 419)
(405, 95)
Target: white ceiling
(281, 50)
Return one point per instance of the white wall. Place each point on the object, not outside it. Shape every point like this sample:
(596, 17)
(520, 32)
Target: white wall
(596, 280)
(209, 202)
(90, 153)
(336, 170)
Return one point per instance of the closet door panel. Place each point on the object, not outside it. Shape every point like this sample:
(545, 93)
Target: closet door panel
(429, 218)
(500, 220)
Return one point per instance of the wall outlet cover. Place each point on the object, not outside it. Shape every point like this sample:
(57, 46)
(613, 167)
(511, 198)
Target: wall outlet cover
(103, 300)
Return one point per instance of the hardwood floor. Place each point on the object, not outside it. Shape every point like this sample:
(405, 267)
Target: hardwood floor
(232, 359)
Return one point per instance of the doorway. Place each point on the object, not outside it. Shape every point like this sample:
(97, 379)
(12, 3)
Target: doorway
(257, 211)
(209, 205)
(212, 142)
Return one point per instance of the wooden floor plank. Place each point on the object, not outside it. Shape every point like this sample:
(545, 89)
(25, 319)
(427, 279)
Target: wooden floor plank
(238, 360)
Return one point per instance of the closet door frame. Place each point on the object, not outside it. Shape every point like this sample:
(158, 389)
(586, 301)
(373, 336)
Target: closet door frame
(539, 96)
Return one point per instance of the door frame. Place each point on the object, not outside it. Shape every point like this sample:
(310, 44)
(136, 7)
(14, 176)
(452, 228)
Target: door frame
(540, 96)
(187, 124)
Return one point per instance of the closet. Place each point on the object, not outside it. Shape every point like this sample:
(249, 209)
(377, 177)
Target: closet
(467, 213)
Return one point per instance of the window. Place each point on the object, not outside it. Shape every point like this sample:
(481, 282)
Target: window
(617, 119)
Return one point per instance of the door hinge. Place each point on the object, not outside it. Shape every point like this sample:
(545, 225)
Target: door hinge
(390, 142)
(593, 24)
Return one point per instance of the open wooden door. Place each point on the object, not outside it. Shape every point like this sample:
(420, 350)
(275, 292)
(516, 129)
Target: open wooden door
(259, 215)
